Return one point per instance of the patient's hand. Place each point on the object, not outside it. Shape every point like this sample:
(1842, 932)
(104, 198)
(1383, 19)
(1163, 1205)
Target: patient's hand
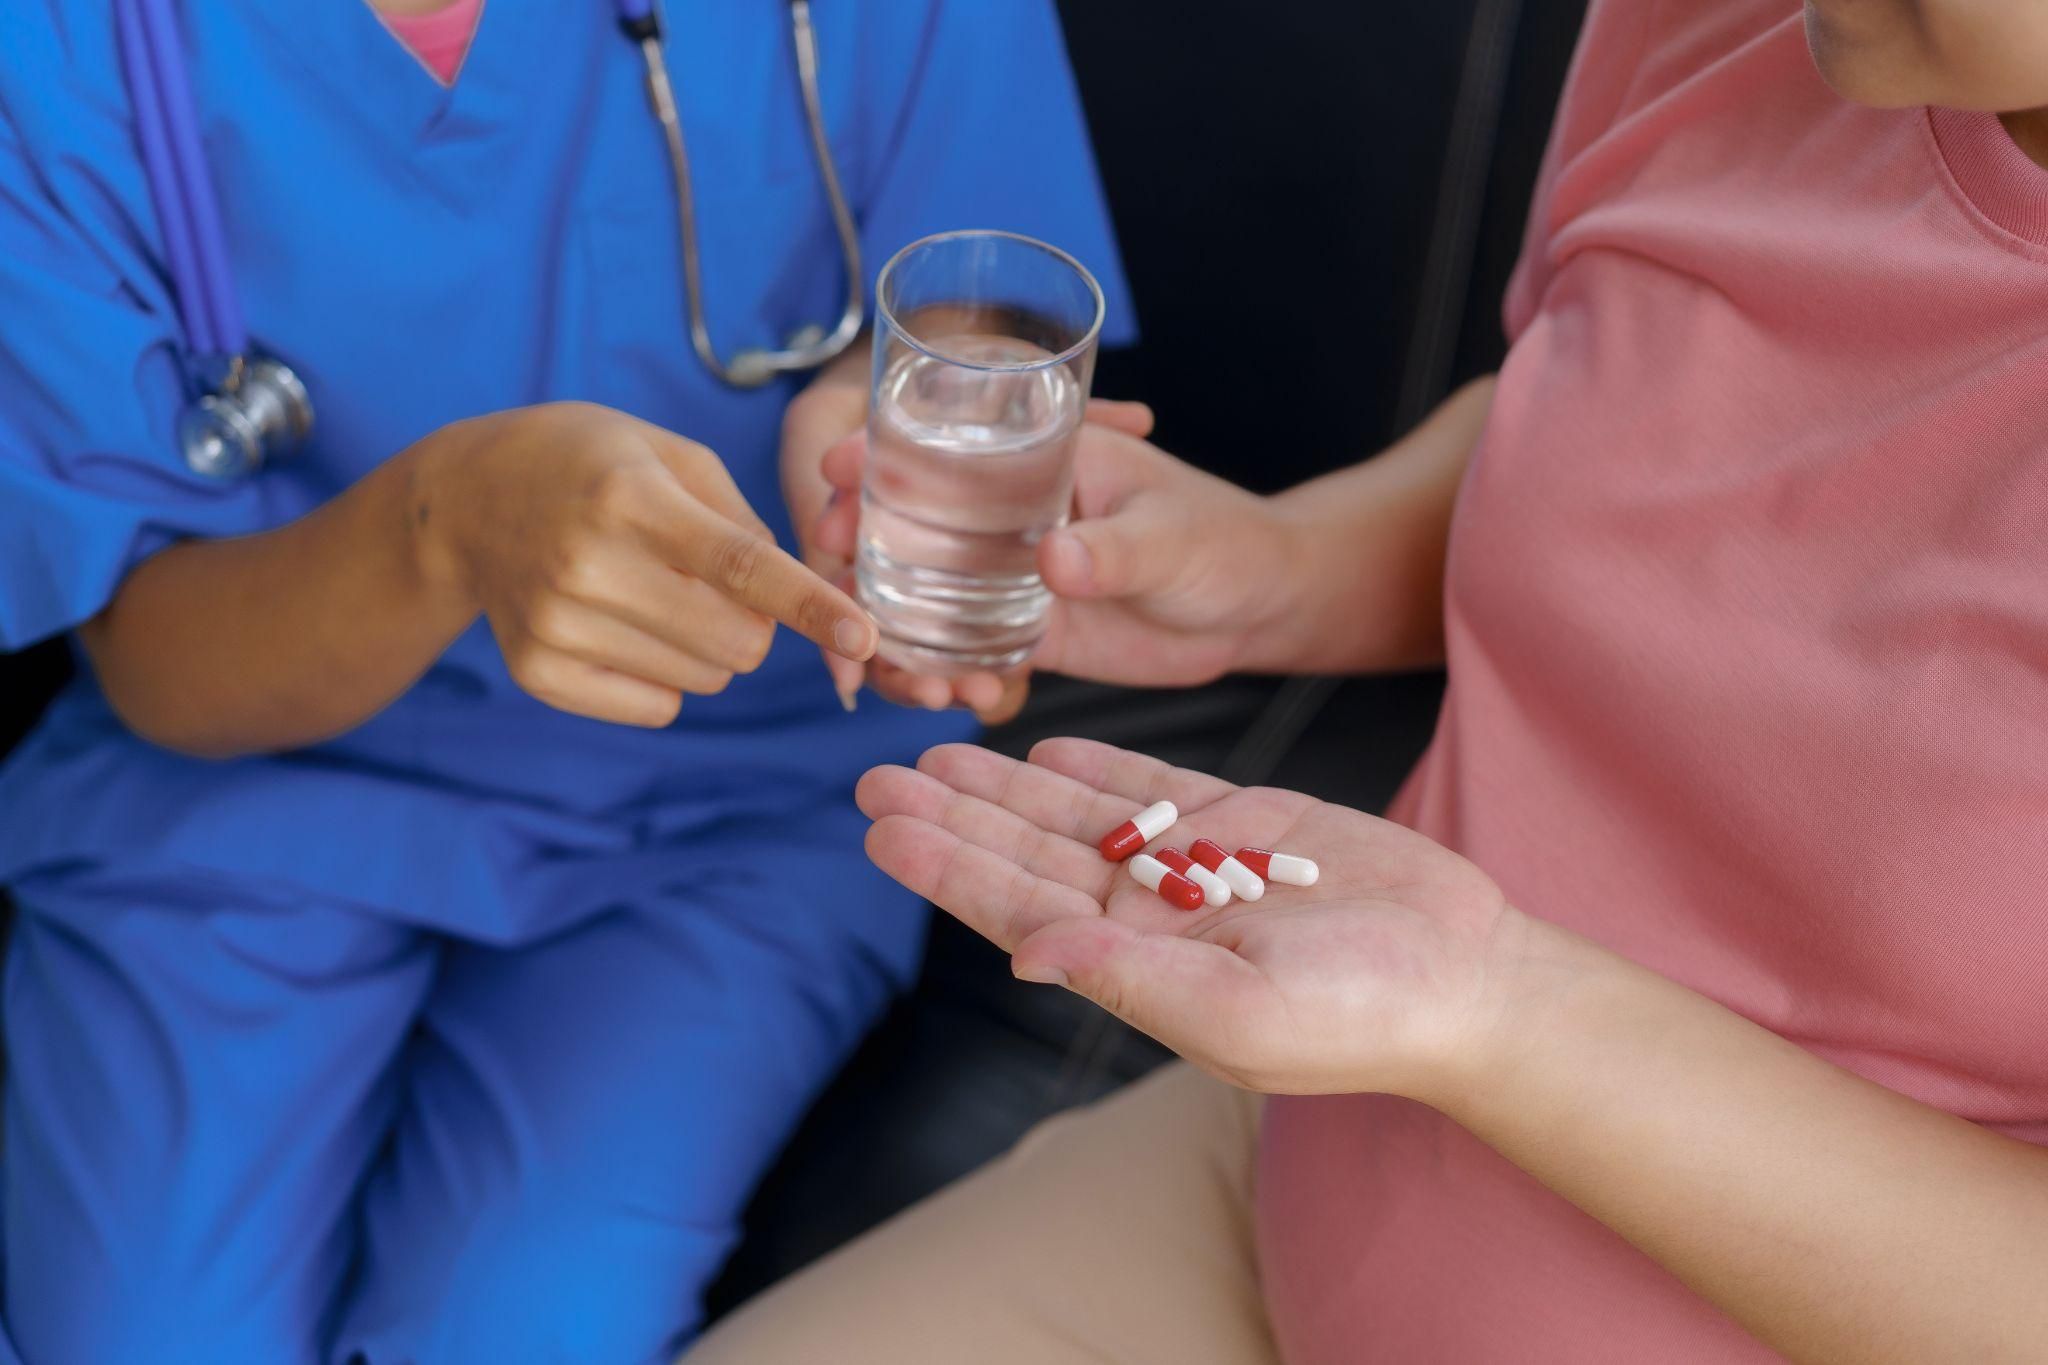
(1161, 578)
(1383, 976)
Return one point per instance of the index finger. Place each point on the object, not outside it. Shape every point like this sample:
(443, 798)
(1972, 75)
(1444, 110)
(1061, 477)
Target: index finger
(1056, 803)
(759, 575)
(1137, 778)
(991, 895)
(704, 477)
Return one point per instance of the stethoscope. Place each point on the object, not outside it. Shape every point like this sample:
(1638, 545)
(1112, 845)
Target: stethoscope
(250, 405)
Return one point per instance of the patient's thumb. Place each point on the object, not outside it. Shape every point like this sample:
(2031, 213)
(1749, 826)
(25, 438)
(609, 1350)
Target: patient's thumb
(1128, 553)
(1176, 989)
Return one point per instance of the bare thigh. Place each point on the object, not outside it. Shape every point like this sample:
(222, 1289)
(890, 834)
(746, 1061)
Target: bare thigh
(1120, 1232)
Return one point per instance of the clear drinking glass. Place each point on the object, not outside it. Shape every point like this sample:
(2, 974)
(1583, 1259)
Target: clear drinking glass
(984, 348)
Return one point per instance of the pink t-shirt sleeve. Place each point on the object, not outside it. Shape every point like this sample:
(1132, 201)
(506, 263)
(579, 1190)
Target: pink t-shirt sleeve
(1607, 73)
(1626, 66)
(1532, 273)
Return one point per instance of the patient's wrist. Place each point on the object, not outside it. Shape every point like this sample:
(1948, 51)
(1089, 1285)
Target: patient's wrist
(1553, 999)
(1306, 564)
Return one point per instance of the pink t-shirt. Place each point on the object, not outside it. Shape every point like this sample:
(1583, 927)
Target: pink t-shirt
(439, 38)
(1748, 623)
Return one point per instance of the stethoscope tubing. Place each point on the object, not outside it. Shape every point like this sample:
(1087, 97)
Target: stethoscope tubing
(219, 359)
(752, 368)
(174, 159)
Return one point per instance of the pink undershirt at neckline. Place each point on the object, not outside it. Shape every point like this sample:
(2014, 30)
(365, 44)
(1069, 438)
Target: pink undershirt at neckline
(439, 38)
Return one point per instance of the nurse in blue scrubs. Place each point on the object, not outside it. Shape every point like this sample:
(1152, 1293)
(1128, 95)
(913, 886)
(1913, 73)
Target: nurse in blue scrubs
(398, 976)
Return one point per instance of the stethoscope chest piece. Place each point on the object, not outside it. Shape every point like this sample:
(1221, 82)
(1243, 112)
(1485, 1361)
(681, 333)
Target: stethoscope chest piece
(264, 410)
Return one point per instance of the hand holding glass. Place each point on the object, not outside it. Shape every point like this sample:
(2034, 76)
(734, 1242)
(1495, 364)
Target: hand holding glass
(984, 349)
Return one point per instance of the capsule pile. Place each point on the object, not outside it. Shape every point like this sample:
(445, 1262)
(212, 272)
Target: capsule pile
(1207, 873)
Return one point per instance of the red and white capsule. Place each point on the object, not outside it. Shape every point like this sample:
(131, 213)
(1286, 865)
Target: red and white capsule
(1176, 890)
(1283, 868)
(1240, 879)
(1138, 831)
(1215, 890)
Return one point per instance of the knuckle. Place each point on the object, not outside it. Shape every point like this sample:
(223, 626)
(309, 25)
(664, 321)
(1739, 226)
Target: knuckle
(552, 622)
(619, 491)
(819, 613)
(751, 647)
(579, 570)
(535, 670)
(737, 561)
(662, 711)
(712, 682)
(576, 410)
(693, 462)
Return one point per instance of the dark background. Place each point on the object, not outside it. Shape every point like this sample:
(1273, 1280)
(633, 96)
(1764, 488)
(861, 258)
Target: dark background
(1319, 203)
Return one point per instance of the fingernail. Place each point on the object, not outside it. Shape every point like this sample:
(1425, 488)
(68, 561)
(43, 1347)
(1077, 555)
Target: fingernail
(850, 638)
(848, 698)
(1044, 976)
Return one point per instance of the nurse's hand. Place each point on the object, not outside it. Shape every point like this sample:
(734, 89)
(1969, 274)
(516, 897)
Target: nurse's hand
(1384, 976)
(831, 407)
(1163, 578)
(618, 564)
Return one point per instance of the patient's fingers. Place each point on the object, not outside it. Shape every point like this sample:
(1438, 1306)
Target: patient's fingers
(1129, 416)
(1194, 995)
(995, 698)
(904, 791)
(989, 894)
(909, 689)
(1047, 799)
(1139, 780)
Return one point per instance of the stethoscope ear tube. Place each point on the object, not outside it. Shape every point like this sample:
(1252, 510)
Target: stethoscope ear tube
(805, 38)
(813, 346)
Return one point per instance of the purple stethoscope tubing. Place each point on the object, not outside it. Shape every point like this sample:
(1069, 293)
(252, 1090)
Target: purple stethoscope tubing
(245, 402)
(180, 183)
(180, 178)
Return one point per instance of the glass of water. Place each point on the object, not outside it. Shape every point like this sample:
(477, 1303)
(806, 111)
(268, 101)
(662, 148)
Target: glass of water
(984, 348)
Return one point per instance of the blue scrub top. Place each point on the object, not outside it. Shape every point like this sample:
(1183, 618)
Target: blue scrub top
(420, 255)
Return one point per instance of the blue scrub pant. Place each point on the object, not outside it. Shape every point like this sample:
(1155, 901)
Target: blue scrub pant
(246, 1125)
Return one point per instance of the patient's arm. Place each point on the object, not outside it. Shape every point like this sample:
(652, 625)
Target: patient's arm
(1370, 596)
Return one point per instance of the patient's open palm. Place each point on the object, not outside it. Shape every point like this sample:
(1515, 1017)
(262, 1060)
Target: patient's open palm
(1369, 980)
